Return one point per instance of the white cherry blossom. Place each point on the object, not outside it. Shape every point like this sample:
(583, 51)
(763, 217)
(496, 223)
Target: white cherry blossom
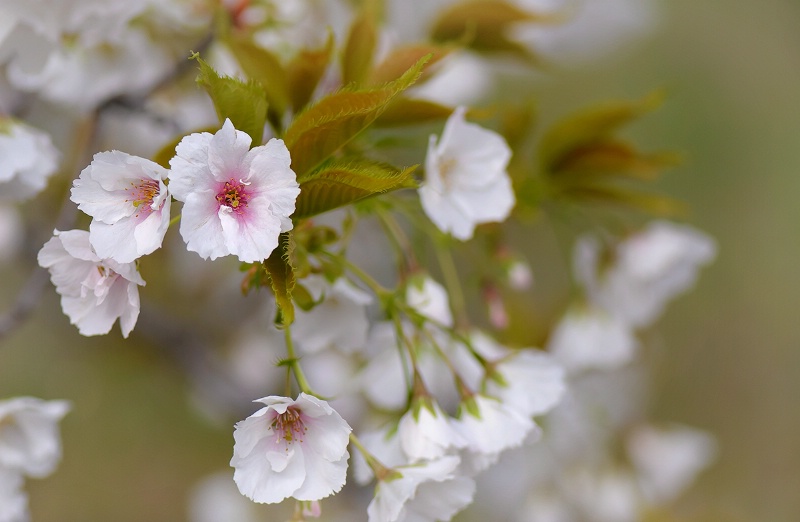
(29, 436)
(428, 298)
(237, 200)
(29, 159)
(94, 292)
(589, 337)
(466, 182)
(290, 448)
(339, 320)
(426, 432)
(129, 202)
(646, 271)
(424, 492)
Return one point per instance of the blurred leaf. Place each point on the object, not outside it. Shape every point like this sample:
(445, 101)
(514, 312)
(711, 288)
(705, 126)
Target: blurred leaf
(305, 71)
(264, 67)
(624, 197)
(282, 278)
(613, 158)
(484, 25)
(360, 47)
(243, 103)
(402, 58)
(407, 111)
(342, 182)
(589, 126)
(333, 121)
(303, 298)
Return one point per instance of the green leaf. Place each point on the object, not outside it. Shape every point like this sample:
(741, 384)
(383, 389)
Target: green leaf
(612, 158)
(305, 71)
(407, 111)
(624, 197)
(342, 182)
(360, 47)
(264, 67)
(400, 59)
(590, 126)
(484, 25)
(333, 121)
(244, 103)
(282, 278)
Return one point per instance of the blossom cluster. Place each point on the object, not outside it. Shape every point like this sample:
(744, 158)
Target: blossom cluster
(373, 352)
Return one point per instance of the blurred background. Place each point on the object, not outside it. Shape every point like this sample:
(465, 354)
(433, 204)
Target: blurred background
(728, 357)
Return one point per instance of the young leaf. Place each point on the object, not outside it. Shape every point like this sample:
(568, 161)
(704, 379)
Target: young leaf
(623, 197)
(360, 46)
(590, 126)
(407, 111)
(336, 119)
(402, 58)
(484, 25)
(262, 66)
(343, 182)
(281, 278)
(305, 71)
(243, 103)
(613, 158)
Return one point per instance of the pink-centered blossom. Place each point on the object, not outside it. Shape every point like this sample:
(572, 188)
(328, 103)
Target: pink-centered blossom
(129, 202)
(94, 292)
(237, 200)
(291, 448)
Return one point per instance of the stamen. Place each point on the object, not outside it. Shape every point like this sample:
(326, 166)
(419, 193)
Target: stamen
(233, 195)
(289, 426)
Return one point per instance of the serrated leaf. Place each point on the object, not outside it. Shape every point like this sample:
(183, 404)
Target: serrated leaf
(360, 47)
(305, 71)
(333, 121)
(407, 111)
(244, 103)
(400, 59)
(264, 67)
(342, 182)
(484, 25)
(282, 278)
(589, 126)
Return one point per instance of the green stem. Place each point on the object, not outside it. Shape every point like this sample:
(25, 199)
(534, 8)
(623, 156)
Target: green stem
(453, 284)
(295, 363)
(367, 279)
(174, 220)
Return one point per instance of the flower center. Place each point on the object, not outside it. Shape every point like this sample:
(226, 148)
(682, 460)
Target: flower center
(142, 196)
(234, 195)
(289, 426)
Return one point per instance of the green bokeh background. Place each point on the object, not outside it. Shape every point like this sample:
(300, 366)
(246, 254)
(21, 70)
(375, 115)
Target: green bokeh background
(729, 360)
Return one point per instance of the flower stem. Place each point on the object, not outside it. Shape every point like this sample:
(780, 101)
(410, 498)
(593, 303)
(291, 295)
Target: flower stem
(294, 363)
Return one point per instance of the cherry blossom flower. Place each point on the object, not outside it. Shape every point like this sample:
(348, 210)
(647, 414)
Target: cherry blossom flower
(668, 459)
(339, 320)
(29, 435)
(94, 292)
(589, 337)
(466, 182)
(490, 427)
(29, 159)
(129, 202)
(647, 270)
(425, 492)
(237, 200)
(290, 448)
(426, 432)
(428, 298)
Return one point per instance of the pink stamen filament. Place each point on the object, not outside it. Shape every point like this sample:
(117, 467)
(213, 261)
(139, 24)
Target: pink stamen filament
(141, 196)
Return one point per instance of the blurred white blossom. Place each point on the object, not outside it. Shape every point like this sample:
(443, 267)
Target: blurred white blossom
(29, 159)
(30, 442)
